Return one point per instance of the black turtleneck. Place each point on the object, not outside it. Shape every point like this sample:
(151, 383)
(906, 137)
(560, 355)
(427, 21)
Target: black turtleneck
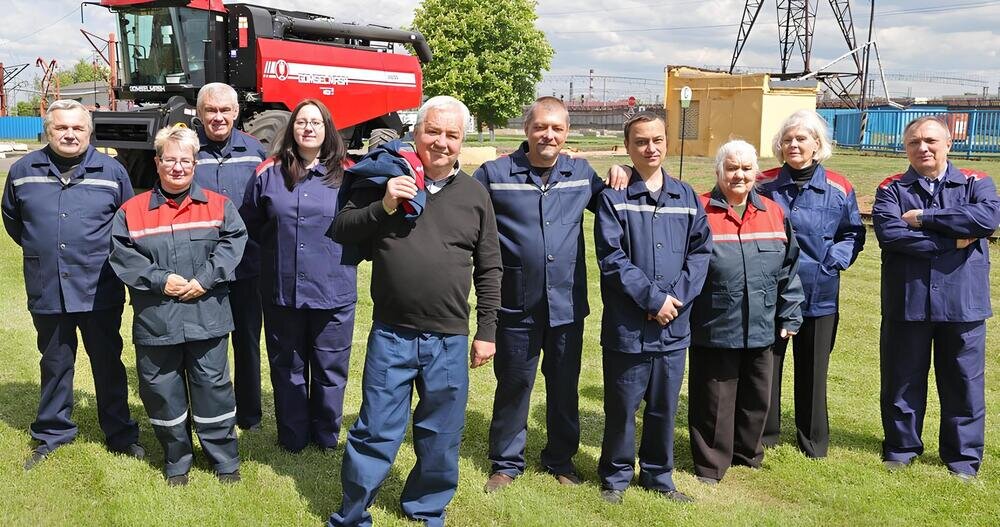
(177, 198)
(801, 176)
(65, 165)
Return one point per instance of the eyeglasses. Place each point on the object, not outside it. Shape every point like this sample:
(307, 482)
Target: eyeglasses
(171, 162)
(316, 125)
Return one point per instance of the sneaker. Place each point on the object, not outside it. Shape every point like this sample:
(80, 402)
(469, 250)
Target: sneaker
(612, 496)
(135, 451)
(36, 457)
(179, 480)
(675, 495)
(497, 481)
(229, 477)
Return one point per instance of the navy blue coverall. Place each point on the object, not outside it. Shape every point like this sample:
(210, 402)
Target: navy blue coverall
(935, 294)
(64, 230)
(647, 249)
(228, 169)
(824, 213)
(309, 299)
(543, 303)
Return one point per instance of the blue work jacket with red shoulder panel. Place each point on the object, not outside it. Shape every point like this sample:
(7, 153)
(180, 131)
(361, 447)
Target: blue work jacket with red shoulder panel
(229, 169)
(201, 238)
(828, 229)
(753, 288)
(301, 267)
(925, 276)
(648, 249)
(541, 239)
(64, 230)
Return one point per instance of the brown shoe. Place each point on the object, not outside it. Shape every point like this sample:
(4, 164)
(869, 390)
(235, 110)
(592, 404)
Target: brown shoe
(497, 481)
(569, 478)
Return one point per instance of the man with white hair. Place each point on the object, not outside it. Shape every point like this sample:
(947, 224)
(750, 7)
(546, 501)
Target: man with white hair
(227, 162)
(422, 269)
(58, 203)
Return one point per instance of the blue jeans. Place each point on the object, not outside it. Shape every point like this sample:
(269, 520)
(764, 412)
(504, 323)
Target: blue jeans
(399, 359)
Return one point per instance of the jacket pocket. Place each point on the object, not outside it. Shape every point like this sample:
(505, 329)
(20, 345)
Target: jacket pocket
(512, 289)
(32, 280)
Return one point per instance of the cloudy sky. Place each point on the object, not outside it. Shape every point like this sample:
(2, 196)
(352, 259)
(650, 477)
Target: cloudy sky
(629, 38)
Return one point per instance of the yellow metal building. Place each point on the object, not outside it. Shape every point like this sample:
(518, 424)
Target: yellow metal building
(723, 107)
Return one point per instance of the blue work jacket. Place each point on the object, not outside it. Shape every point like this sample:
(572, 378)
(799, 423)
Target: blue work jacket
(229, 172)
(753, 289)
(541, 239)
(648, 249)
(828, 229)
(925, 276)
(300, 265)
(65, 230)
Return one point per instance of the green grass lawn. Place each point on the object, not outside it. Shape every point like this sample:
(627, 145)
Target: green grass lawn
(83, 484)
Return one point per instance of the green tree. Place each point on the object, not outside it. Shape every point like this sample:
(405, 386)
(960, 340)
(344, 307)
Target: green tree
(488, 53)
(26, 108)
(83, 71)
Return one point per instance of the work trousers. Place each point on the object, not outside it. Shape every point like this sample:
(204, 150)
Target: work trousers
(629, 379)
(959, 351)
(102, 341)
(167, 374)
(245, 303)
(811, 349)
(399, 360)
(515, 367)
(728, 394)
(309, 351)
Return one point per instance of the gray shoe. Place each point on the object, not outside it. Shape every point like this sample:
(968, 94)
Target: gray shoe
(963, 477)
(229, 477)
(36, 457)
(675, 495)
(612, 496)
(708, 481)
(179, 480)
(894, 466)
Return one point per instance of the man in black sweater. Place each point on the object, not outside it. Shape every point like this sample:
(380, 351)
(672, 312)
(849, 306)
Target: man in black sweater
(421, 270)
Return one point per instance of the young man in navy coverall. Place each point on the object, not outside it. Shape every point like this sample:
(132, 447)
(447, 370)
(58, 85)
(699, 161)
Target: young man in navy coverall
(932, 222)
(539, 195)
(58, 204)
(653, 246)
(227, 163)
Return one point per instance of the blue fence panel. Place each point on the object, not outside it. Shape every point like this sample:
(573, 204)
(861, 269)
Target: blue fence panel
(20, 127)
(974, 132)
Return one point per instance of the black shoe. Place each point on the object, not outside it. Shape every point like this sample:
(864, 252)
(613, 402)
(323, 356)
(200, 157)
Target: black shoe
(252, 428)
(894, 466)
(135, 450)
(708, 481)
(179, 480)
(229, 477)
(674, 495)
(36, 457)
(612, 496)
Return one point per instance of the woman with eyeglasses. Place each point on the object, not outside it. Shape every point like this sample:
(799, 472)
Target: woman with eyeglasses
(176, 247)
(308, 292)
(823, 209)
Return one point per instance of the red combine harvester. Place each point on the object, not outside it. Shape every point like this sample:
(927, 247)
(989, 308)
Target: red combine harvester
(273, 58)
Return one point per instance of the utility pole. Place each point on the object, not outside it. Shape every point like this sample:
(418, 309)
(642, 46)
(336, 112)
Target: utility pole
(864, 77)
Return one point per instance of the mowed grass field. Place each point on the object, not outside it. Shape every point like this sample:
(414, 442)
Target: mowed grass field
(83, 484)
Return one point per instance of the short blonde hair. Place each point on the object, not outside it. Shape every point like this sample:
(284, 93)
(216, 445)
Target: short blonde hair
(180, 135)
(735, 148)
(66, 104)
(812, 123)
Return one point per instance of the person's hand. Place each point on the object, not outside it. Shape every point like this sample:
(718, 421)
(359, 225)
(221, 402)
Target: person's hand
(481, 352)
(192, 290)
(668, 311)
(785, 333)
(175, 285)
(617, 177)
(962, 243)
(910, 217)
(398, 188)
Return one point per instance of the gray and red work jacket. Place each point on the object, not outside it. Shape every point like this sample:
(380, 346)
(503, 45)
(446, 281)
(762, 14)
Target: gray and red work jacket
(202, 238)
(753, 289)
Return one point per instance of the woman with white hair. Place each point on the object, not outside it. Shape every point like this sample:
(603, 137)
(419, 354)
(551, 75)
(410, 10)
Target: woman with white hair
(823, 209)
(751, 296)
(176, 247)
